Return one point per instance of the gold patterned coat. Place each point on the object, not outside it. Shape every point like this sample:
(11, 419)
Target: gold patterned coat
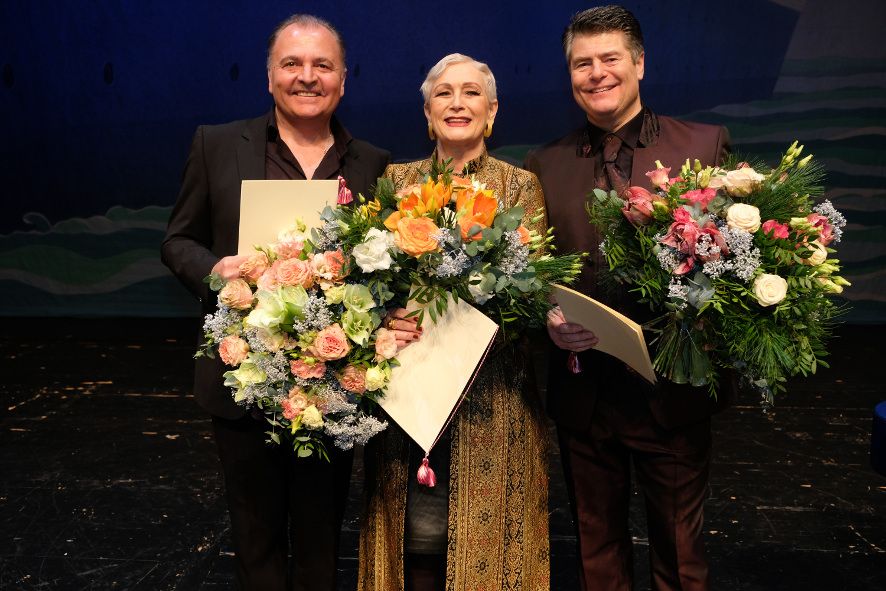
(498, 491)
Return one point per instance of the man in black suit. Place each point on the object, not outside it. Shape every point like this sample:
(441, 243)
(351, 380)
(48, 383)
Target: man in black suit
(607, 416)
(276, 502)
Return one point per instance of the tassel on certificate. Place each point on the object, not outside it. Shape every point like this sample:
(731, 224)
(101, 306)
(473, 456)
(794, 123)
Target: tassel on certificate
(426, 474)
(572, 363)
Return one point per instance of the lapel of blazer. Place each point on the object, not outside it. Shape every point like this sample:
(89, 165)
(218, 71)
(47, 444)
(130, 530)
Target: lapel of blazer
(251, 149)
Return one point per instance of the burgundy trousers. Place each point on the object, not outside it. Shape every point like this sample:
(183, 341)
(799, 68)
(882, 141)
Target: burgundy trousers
(672, 468)
(281, 505)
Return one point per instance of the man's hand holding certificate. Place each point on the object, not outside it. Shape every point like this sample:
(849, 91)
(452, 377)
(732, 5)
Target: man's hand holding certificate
(613, 333)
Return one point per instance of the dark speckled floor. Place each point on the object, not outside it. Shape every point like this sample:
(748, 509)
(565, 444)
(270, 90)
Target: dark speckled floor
(108, 476)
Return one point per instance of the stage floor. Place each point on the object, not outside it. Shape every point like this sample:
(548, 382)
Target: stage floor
(108, 473)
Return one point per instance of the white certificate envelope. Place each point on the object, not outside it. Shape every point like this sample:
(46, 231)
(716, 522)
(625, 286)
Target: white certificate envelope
(435, 372)
(619, 336)
(270, 207)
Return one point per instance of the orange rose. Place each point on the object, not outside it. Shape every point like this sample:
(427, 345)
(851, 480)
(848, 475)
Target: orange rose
(475, 208)
(414, 236)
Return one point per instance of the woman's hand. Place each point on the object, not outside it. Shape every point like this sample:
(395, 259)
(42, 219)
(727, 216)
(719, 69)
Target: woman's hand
(567, 335)
(406, 330)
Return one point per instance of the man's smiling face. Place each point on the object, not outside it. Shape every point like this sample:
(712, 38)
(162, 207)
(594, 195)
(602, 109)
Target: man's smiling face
(606, 78)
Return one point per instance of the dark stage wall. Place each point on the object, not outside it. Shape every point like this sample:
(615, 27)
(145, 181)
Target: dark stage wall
(98, 101)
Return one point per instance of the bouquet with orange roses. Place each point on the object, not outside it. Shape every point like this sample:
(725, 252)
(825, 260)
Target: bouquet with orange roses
(304, 341)
(737, 264)
(451, 235)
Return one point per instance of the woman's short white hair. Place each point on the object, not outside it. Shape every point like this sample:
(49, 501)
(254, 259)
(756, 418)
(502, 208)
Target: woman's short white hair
(458, 58)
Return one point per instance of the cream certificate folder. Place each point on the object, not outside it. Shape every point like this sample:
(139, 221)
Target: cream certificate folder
(436, 371)
(619, 336)
(270, 207)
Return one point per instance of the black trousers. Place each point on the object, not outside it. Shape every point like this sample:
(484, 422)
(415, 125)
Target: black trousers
(280, 504)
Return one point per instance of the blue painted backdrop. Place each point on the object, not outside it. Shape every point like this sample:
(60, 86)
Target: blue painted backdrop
(98, 102)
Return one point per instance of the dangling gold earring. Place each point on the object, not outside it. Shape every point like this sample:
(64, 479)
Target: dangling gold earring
(488, 131)
(431, 134)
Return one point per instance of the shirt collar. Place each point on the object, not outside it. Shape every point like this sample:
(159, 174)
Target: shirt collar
(341, 137)
(641, 130)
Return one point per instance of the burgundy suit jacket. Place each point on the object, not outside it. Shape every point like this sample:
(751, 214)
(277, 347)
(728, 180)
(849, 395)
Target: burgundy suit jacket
(205, 221)
(567, 178)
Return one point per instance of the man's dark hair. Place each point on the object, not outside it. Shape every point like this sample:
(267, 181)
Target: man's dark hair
(605, 19)
(305, 20)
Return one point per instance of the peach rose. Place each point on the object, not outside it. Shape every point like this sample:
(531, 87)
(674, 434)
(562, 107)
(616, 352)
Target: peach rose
(295, 272)
(268, 280)
(236, 294)
(353, 379)
(385, 344)
(306, 370)
(232, 350)
(330, 344)
(415, 236)
(295, 404)
(253, 267)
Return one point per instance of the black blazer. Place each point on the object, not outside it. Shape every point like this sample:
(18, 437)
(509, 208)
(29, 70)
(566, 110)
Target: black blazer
(567, 177)
(204, 223)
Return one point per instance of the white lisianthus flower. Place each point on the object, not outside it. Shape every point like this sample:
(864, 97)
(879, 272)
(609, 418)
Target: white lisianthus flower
(373, 254)
(335, 294)
(743, 217)
(819, 253)
(312, 418)
(475, 283)
(770, 289)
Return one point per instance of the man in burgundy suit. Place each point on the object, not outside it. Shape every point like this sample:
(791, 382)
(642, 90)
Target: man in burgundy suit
(608, 417)
(277, 503)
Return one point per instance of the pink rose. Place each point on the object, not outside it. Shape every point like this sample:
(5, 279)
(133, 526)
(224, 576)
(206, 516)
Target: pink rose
(295, 272)
(306, 370)
(344, 194)
(716, 239)
(683, 233)
(775, 229)
(659, 177)
(295, 404)
(701, 196)
(236, 294)
(353, 379)
(268, 280)
(638, 205)
(328, 265)
(824, 227)
(289, 248)
(232, 350)
(330, 344)
(253, 267)
(385, 344)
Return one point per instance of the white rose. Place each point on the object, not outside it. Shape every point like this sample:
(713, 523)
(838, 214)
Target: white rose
(311, 418)
(819, 253)
(741, 182)
(373, 254)
(375, 378)
(770, 289)
(743, 217)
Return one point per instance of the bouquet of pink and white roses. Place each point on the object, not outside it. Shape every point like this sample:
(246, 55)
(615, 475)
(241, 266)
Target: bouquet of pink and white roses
(737, 262)
(305, 343)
